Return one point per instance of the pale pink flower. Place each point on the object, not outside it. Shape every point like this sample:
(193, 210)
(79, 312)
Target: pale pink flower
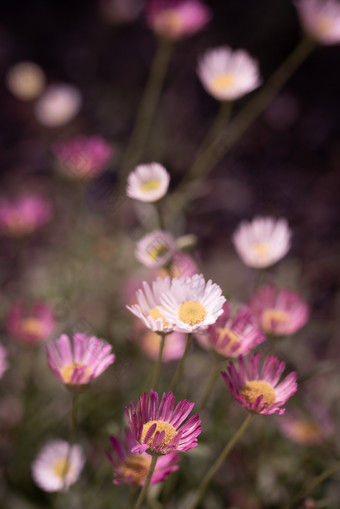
(256, 388)
(24, 214)
(3, 360)
(177, 19)
(228, 75)
(279, 312)
(321, 19)
(156, 249)
(148, 182)
(30, 324)
(262, 242)
(59, 104)
(26, 80)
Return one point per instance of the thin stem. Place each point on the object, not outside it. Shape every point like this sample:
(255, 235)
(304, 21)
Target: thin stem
(160, 217)
(132, 496)
(180, 367)
(318, 480)
(210, 384)
(147, 107)
(147, 482)
(210, 474)
(73, 427)
(157, 368)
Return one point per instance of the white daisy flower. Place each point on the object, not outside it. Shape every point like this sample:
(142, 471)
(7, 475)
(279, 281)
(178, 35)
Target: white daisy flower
(321, 19)
(192, 304)
(149, 308)
(262, 242)
(156, 249)
(59, 104)
(228, 75)
(148, 182)
(54, 469)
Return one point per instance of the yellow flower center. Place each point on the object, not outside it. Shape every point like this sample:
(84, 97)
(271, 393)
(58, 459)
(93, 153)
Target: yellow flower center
(150, 185)
(273, 315)
(136, 467)
(192, 312)
(156, 252)
(155, 313)
(169, 430)
(227, 334)
(324, 24)
(68, 370)
(61, 468)
(255, 388)
(223, 81)
(261, 249)
(31, 326)
(306, 431)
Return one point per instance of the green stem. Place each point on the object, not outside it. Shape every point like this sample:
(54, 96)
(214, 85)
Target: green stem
(210, 384)
(210, 474)
(180, 367)
(157, 368)
(160, 217)
(147, 482)
(132, 496)
(73, 427)
(318, 480)
(147, 108)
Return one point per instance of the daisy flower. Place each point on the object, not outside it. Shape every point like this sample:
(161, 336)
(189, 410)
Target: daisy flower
(321, 19)
(262, 242)
(3, 360)
(149, 308)
(181, 265)
(258, 389)
(228, 75)
(30, 325)
(177, 19)
(279, 312)
(236, 335)
(83, 156)
(132, 468)
(26, 80)
(77, 362)
(59, 104)
(158, 427)
(148, 182)
(56, 468)
(24, 215)
(156, 249)
(192, 304)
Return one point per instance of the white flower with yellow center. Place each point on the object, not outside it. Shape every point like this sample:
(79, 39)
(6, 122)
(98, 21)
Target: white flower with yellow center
(321, 19)
(228, 75)
(156, 249)
(262, 242)
(56, 467)
(148, 182)
(192, 304)
(149, 308)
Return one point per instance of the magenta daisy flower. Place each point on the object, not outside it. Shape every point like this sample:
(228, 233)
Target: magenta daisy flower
(279, 312)
(30, 325)
(132, 468)
(158, 427)
(258, 389)
(78, 361)
(24, 214)
(236, 335)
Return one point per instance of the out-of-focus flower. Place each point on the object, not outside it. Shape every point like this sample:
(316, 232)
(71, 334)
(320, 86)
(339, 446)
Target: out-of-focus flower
(321, 19)
(56, 468)
(228, 75)
(262, 242)
(30, 324)
(132, 468)
(83, 157)
(149, 308)
(78, 362)
(3, 360)
(192, 304)
(307, 428)
(177, 19)
(159, 427)
(182, 265)
(24, 214)
(174, 345)
(236, 335)
(279, 312)
(121, 12)
(148, 182)
(26, 80)
(257, 389)
(58, 105)
(156, 249)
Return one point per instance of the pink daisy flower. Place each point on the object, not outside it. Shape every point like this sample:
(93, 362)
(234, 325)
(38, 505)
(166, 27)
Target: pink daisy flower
(3, 360)
(132, 468)
(156, 249)
(148, 182)
(236, 335)
(30, 324)
(181, 265)
(83, 157)
(158, 427)
(177, 19)
(58, 105)
(321, 19)
(258, 389)
(174, 345)
(78, 361)
(24, 214)
(279, 312)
